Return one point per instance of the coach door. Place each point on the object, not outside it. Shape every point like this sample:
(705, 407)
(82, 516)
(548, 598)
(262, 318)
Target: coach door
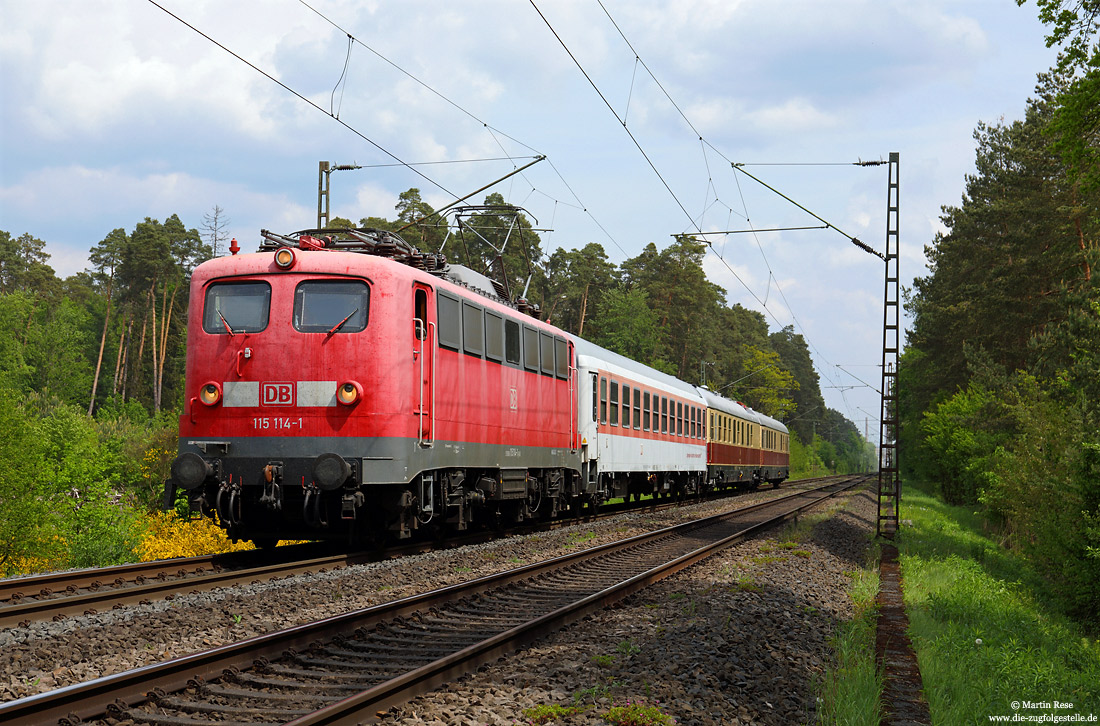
(424, 355)
(574, 374)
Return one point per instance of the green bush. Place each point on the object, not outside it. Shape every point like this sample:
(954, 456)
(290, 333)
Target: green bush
(960, 442)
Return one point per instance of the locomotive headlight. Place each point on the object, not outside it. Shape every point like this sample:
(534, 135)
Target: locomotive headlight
(210, 393)
(349, 393)
(284, 258)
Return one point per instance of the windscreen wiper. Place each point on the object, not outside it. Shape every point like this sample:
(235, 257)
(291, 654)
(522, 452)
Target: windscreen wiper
(341, 323)
(225, 323)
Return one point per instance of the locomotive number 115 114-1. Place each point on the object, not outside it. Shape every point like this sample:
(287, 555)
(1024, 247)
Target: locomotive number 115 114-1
(276, 422)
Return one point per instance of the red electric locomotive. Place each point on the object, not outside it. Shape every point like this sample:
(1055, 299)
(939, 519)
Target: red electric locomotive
(350, 386)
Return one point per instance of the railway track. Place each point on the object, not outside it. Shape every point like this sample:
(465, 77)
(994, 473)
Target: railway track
(346, 668)
(85, 592)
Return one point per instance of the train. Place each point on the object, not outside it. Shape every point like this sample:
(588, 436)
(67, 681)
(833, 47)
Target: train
(344, 385)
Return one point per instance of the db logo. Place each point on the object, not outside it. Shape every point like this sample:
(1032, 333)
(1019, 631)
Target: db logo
(277, 394)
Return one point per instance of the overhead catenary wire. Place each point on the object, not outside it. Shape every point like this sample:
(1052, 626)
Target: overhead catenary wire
(490, 129)
(642, 150)
(771, 277)
(333, 112)
(853, 240)
(302, 98)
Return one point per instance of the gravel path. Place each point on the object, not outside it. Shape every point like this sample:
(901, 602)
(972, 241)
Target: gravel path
(710, 643)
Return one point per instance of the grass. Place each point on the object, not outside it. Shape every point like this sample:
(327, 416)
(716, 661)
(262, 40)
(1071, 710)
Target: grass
(549, 713)
(848, 693)
(983, 636)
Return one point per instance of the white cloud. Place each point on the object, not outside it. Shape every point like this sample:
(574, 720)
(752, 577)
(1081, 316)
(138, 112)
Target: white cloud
(115, 111)
(374, 197)
(128, 198)
(794, 115)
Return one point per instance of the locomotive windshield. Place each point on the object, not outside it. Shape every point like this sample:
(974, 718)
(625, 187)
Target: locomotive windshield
(236, 307)
(331, 306)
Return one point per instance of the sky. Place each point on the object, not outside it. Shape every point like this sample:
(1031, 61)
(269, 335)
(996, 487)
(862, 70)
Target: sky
(112, 111)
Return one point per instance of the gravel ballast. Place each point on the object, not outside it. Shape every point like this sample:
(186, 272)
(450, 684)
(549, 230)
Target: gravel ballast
(735, 639)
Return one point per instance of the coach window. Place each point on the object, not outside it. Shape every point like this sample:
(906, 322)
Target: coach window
(530, 349)
(511, 341)
(236, 307)
(626, 407)
(614, 403)
(679, 419)
(645, 411)
(546, 346)
(473, 334)
(637, 408)
(331, 306)
(603, 399)
(449, 317)
(494, 336)
(561, 358)
(664, 415)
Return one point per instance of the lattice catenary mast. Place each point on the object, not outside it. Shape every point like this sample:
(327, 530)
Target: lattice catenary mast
(889, 475)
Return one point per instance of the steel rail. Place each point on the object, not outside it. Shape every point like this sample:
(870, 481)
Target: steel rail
(96, 698)
(44, 585)
(350, 711)
(34, 598)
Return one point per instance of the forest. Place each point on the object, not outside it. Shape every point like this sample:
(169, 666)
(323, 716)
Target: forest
(1000, 378)
(92, 366)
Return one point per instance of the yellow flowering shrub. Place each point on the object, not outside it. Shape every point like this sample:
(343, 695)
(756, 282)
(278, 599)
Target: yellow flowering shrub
(168, 535)
(156, 463)
(31, 565)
